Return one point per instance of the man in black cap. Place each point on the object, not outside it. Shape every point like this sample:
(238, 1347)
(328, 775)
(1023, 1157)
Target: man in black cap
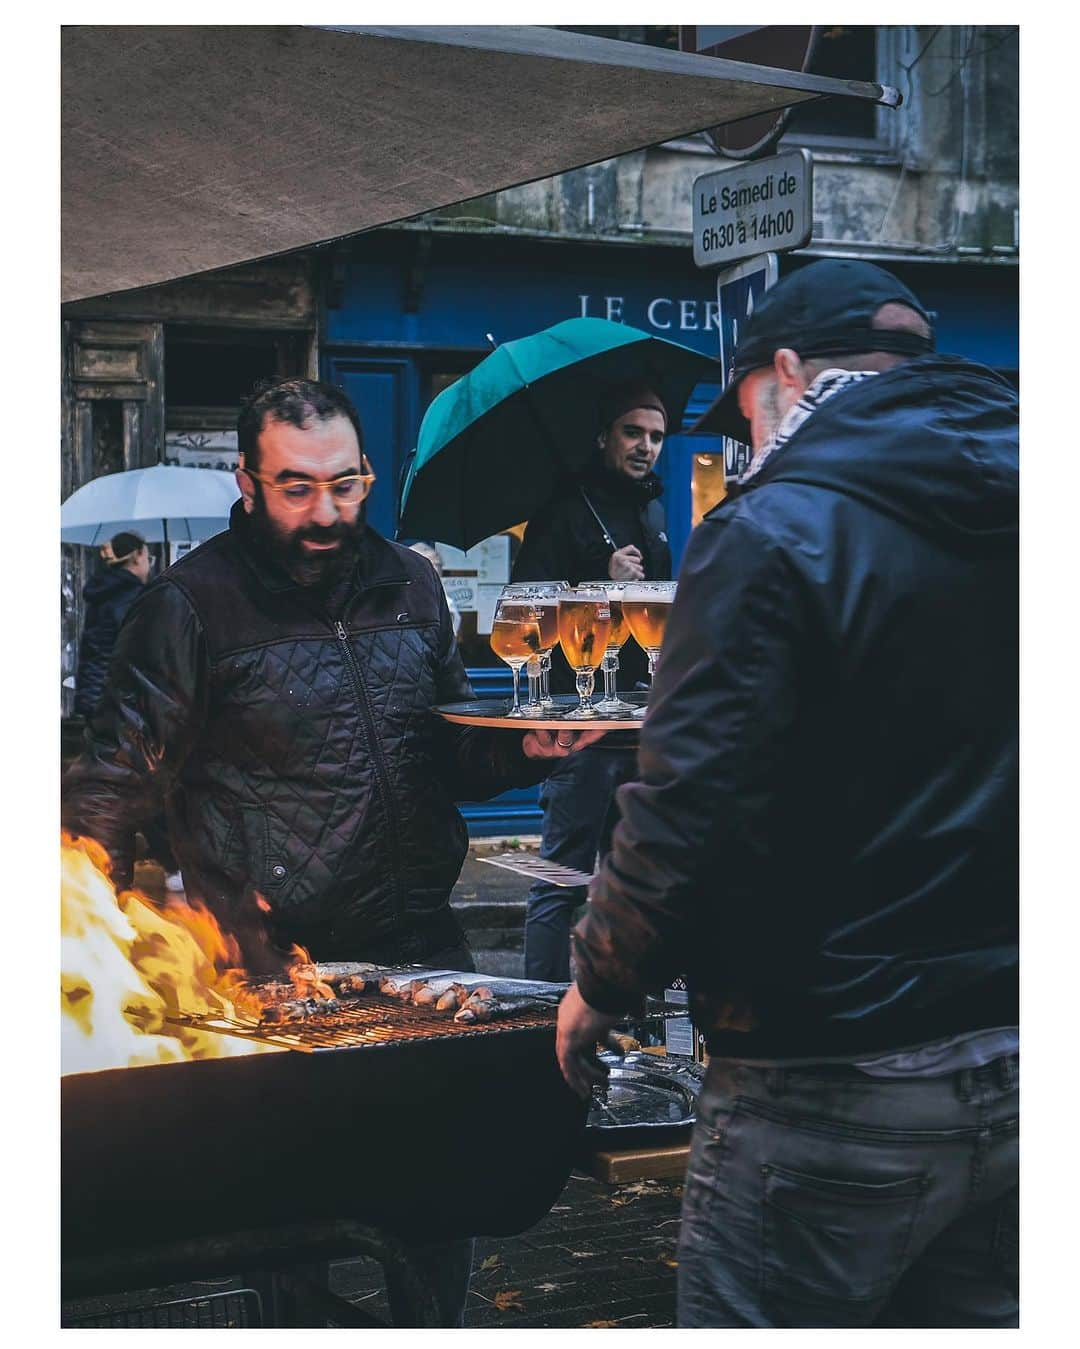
(823, 835)
(609, 525)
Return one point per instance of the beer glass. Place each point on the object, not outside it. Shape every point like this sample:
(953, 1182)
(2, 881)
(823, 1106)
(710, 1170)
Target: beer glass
(611, 703)
(646, 606)
(515, 638)
(545, 596)
(584, 623)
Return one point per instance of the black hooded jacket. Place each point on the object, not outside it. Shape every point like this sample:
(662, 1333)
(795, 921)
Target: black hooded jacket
(292, 741)
(824, 834)
(108, 596)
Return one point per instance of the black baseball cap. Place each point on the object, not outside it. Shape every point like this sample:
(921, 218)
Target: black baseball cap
(822, 310)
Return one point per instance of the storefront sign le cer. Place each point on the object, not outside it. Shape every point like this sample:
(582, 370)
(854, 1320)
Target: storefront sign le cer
(662, 313)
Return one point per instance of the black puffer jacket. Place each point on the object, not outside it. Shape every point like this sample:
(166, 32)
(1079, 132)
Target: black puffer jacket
(824, 833)
(296, 748)
(108, 596)
(565, 542)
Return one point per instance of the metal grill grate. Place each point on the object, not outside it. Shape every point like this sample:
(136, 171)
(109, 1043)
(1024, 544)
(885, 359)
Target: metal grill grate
(239, 1309)
(367, 1023)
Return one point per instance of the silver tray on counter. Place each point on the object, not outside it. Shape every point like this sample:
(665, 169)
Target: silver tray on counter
(646, 1091)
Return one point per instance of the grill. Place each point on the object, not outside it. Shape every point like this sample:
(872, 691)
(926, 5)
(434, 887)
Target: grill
(384, 1114)
(366, 1023)
(241, 1309)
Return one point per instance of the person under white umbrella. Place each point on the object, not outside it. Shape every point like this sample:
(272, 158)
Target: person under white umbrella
(108, 595)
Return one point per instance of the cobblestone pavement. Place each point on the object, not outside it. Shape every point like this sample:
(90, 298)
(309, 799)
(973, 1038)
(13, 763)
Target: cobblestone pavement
(603, 1257)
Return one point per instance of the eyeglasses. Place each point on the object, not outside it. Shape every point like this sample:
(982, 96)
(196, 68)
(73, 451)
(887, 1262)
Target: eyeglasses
(300, 495)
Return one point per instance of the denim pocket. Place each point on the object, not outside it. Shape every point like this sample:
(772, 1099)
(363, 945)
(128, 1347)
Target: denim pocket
(835, 1239)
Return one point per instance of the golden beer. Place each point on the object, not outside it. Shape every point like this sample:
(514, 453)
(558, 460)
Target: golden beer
(515, 638)
(549, 624)
(584, 625)
(619, 630)
(647, 620)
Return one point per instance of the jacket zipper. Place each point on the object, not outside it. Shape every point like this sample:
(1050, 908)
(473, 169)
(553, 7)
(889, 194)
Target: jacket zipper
(361, 695)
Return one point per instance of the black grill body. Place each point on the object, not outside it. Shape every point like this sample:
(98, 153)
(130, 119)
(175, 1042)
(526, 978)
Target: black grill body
(429, 1139)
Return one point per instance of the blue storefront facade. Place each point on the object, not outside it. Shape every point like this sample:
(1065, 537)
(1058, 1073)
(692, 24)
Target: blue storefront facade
(405, 312)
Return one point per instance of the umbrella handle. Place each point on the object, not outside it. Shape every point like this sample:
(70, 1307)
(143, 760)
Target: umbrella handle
(403, 478)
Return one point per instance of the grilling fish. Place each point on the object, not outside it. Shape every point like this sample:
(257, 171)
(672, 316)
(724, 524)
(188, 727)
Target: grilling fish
(483, 1006)
(298, 1009)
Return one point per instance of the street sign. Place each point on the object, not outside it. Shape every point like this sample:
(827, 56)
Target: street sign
(737, 291)
(763, 204)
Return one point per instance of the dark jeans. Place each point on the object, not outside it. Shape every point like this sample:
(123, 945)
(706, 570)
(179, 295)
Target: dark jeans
(822, 1197)
(579, 815)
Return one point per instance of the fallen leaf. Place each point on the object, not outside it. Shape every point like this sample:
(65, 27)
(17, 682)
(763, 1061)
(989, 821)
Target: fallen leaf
(600, 1325)
(510, 1300)
(492, 1262)
(619, 1203)
(639, 1188)
(665, 1259)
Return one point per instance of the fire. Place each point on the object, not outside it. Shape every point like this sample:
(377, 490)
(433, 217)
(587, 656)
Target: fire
(301, 969)
(127, 964)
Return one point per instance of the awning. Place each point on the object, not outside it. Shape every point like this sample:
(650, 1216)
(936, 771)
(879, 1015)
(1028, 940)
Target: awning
(187, 149)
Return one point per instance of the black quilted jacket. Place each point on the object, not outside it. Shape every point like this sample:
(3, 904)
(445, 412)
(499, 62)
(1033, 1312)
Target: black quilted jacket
(293, 746)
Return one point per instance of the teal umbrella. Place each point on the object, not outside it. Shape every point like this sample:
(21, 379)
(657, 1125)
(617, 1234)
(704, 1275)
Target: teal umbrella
(499, 442)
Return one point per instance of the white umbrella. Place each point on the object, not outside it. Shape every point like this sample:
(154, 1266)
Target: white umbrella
(164, 504)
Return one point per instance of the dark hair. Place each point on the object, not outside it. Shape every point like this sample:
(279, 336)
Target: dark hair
(122, 548)
(294, 401)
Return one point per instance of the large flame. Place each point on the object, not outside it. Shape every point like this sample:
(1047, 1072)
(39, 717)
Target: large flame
(127, 964)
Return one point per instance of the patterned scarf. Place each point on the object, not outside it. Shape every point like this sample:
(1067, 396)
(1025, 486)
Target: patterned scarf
(825, 386)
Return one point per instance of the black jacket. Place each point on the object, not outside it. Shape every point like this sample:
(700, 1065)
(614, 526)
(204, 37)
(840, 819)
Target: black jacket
(565, 542)
(295, 748)
(824, 834)
(108, 596)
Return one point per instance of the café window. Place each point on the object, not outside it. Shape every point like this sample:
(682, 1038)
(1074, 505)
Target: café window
(844, 52)
(208, 373)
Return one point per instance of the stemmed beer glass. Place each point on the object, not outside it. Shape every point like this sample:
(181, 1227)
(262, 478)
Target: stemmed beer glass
(584, 623)
(646, 606)
(611, 703)
(543, 595)
(515, 638)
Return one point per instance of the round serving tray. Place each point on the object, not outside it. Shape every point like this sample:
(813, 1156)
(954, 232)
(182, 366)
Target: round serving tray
(492, 712)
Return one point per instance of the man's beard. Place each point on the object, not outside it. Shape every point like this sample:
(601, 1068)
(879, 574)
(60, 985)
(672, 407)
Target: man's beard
(286, 547)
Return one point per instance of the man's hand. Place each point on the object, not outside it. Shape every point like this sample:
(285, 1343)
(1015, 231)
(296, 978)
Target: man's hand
(580, 1029)
(626, 564)
(557, 744)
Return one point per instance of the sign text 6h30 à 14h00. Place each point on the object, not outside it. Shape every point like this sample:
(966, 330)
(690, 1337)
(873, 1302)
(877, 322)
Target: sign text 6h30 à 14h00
(765, 205)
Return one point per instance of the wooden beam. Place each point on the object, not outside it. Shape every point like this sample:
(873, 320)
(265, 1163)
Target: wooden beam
(616, 1168)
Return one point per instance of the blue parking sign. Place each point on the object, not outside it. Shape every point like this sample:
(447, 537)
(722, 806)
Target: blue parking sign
(737, 289)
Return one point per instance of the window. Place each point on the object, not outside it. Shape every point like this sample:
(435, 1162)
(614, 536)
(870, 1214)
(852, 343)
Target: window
(849, 52)
(208, 372)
